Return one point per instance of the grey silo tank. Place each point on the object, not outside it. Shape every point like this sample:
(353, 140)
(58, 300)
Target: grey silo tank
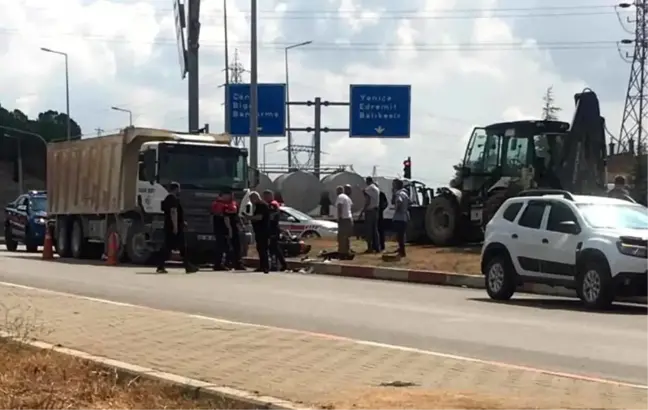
(300, 190)
(342, 178)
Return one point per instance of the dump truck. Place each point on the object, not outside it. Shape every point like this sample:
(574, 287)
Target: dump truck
(116, 184)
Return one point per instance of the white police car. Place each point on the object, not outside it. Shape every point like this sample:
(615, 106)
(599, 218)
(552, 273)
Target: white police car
(595, 245)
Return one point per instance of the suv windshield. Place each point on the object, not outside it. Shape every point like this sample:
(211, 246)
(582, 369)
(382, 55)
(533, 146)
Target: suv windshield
(615, 216)
(38, 204)
(203, 167)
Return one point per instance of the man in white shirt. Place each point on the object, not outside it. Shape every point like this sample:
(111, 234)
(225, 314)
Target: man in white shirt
(371, 209)
(343, 205)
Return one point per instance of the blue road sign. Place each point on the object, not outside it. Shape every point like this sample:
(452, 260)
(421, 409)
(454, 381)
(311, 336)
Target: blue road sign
(380, 111)
(272, 110)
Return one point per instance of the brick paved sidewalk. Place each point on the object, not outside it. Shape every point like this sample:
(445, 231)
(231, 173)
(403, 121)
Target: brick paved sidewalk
(291, 365)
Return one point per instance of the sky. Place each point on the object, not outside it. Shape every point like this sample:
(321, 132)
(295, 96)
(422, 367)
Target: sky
(469, 63)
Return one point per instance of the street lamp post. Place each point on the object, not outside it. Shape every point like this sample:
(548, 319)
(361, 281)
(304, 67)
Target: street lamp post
(305, 43)
(265, 146)
(67, 89)
(21, 182)
(129, 112)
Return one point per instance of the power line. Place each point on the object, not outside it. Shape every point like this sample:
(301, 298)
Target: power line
(359, 46)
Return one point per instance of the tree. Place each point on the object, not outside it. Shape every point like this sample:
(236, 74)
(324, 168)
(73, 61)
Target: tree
(550, 110)
(51, 125)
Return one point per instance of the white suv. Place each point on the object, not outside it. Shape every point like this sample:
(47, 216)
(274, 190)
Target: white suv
(595, 245)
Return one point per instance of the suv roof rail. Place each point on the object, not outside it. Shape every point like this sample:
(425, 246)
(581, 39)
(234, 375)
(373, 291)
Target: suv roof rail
(541, 192)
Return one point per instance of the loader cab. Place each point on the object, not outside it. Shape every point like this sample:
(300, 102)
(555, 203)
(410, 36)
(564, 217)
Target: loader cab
(502, 152)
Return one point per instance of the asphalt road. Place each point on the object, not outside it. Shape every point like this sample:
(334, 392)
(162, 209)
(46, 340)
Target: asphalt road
(543, 332)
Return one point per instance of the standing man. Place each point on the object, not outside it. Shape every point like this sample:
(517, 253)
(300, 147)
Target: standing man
(343, 205)
(220, 232)
(401, 214)
(174, 225)
(382, 205)
(274, 250)
(233, 228)
(261, 226)
(372, 202)
(619, 191)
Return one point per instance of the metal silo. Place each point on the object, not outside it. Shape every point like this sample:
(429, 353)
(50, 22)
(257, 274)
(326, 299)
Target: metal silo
(342, 178)
(264, 182)
(300, 190)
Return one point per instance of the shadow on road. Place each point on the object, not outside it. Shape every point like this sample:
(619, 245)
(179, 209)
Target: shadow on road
(569, 304)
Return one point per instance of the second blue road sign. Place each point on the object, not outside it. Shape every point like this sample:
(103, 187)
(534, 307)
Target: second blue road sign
(272, 110)
(380, 111)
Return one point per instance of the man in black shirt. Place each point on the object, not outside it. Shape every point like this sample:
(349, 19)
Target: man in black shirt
(261, 226)
(274, 250)
(174, 225)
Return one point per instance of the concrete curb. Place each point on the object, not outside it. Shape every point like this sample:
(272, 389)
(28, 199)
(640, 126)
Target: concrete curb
(199, 388)
(418, 276)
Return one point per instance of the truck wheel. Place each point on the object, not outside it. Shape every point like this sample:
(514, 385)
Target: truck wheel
(63, 238)
(137, 244)
(78, 243)
(441, 221)
(10, 243)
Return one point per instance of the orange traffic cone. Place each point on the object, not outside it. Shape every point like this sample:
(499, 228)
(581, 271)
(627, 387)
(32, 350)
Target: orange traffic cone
(48, 246)
(111, 256)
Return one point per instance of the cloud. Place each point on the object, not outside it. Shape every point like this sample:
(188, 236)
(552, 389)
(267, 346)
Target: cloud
(123, 53)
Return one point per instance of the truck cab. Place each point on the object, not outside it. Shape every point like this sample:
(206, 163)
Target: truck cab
(203, 170)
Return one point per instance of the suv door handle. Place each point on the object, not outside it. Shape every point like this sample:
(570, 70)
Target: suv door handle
(514, 236)
(545, 240)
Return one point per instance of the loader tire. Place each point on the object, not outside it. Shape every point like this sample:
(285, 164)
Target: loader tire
(442, 221)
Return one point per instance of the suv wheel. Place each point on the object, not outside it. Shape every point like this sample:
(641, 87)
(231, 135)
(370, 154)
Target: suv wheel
(10, 242)
(500, 278)
(594, 285)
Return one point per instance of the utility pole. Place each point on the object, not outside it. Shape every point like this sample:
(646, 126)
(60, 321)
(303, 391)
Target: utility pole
(99, 131)
(635, 113)
(254, 96)
(193, 34)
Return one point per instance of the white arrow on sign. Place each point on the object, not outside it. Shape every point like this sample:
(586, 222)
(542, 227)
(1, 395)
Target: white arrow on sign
(259, 129)
(380, 130)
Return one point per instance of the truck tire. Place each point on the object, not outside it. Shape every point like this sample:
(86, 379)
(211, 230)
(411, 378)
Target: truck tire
(137, 247)
(10, 243)
(63, 238)
(78, 243)
(441, 220)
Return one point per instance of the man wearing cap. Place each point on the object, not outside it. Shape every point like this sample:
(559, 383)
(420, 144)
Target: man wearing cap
(174, 225)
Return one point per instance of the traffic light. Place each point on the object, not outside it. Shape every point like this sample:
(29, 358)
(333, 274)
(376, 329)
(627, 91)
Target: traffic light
(407, 168)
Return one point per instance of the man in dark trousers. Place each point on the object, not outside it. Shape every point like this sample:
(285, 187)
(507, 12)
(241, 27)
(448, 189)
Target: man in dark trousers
(382, 205)
(233, 229)
(261, 226)
(221, 231)
(174, 225)
(274, 250)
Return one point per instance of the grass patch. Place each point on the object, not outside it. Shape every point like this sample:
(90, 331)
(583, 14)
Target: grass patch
(33, 378)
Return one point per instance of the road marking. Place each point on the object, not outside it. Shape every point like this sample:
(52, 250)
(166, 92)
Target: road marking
(341, 338)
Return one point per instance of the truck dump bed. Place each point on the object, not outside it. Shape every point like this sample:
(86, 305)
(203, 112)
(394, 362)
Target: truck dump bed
(99, 175)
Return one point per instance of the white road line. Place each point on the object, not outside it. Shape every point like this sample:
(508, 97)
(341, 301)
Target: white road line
(350, 340)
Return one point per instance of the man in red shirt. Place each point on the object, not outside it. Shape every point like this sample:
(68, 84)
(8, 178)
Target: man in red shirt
(226, 229)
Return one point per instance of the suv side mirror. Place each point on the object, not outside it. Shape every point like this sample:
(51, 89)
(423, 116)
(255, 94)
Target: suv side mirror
(570, 227)
(22, 208)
